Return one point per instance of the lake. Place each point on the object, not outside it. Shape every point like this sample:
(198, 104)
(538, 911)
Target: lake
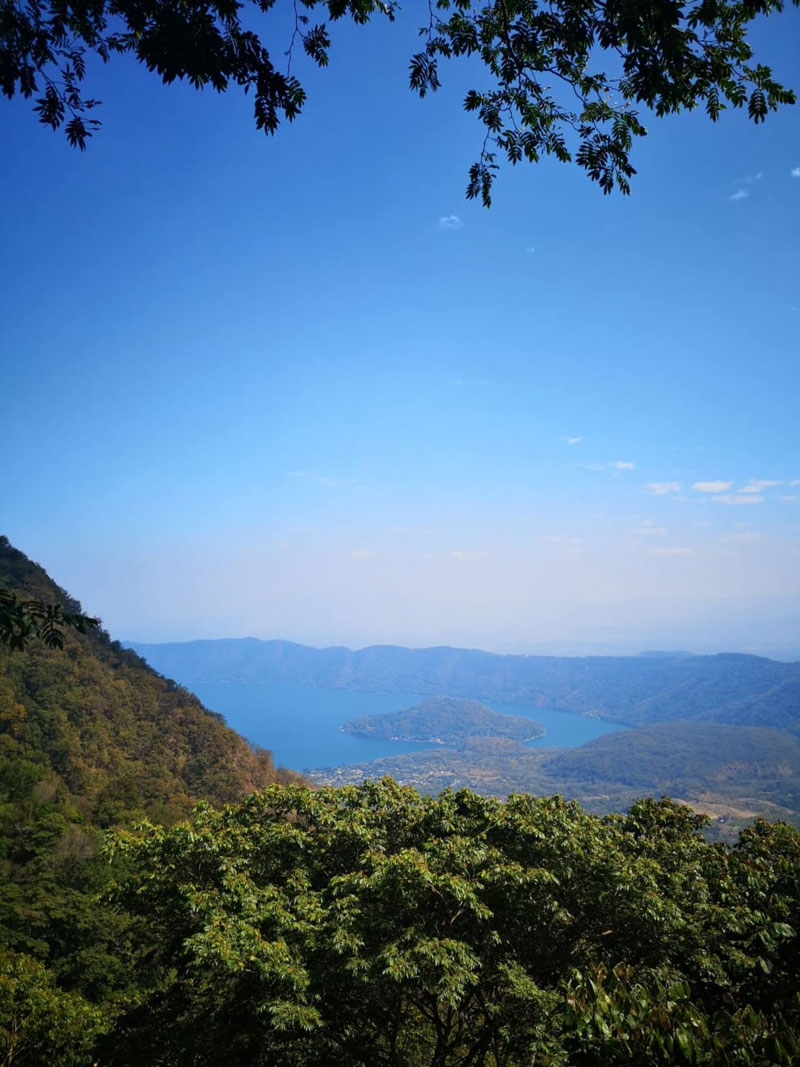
(301, 724)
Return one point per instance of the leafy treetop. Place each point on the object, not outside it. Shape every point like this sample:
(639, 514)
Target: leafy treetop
(560, 77)
(373, 927)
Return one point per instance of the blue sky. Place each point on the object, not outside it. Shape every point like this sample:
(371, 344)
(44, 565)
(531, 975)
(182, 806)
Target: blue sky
(300, 387)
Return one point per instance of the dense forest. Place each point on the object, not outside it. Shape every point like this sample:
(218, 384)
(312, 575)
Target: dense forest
(155, 910)
(635, 690)
(374, 927)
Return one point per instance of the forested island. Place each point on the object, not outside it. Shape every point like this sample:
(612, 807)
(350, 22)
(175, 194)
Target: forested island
(447, 721)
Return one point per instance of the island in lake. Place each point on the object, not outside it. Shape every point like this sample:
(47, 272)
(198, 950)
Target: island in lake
(447, 721)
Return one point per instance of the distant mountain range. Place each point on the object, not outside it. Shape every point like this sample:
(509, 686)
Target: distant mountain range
(732, 688)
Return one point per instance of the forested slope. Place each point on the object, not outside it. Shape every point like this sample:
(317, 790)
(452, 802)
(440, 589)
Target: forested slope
(102, 723)
(92, 737)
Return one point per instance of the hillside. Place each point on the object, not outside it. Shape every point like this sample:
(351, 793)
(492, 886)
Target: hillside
(92, 737)
(445, 721)
(102, 723)
(683, 756)
(634, 690)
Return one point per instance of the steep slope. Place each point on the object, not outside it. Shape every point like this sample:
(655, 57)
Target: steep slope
(96, 719)
(635, 690)
(92, 737)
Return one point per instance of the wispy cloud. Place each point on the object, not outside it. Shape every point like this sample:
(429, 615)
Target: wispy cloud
(620, 465)
(649, 529)
(450, 222)
(740, 194)
(572, 440)
(320, 479)
(796, 172)
(749, 179)
(464, 557)
(712, 487)
(530, 248)
(664, 550)
(757, 487)
(466, 382)
(744, 537)
(738, 499)
(662, 488)
(789, 499)
(362, 553)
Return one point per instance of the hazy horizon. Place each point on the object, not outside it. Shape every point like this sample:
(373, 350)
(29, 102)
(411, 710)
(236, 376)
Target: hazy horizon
(566, 648)
(778, 635)
(487, 601)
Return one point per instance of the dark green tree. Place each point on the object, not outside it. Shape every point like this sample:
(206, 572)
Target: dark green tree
(373, 927)
(559, 77)
(39, 1023)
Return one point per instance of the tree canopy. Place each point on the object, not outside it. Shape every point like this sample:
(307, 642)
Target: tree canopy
(372, 927)
(565, 78)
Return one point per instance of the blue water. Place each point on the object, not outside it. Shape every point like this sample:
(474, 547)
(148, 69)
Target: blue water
(301, 725)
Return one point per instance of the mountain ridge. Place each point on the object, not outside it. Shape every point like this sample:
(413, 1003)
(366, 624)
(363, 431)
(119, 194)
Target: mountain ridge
(633, 690)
